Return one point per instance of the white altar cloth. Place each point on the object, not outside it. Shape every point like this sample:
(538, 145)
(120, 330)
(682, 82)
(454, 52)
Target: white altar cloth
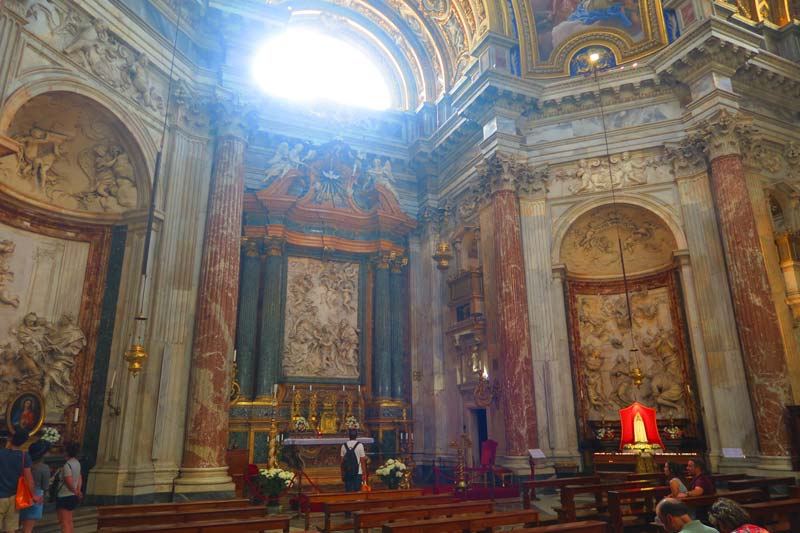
(316, 441)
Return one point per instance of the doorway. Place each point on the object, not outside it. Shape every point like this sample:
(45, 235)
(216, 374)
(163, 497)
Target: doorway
(482, 430)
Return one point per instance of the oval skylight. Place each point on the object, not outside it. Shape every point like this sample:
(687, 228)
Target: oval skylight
(307, 66)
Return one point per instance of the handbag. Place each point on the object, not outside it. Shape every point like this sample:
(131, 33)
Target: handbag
(24, 497)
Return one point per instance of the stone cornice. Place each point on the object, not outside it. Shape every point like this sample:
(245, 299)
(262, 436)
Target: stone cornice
(713, 44)
(783, 84)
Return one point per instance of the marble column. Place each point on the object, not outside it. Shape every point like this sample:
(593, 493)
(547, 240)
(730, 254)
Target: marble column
(554, 395)
(398, 325)
(269, 354)
(382, 362)
(718, 363)
(247, 327)
(500, 175)
(757, 321)
(204, 471)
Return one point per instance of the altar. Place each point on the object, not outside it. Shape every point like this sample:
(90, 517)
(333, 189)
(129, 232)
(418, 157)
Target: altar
(319, 458)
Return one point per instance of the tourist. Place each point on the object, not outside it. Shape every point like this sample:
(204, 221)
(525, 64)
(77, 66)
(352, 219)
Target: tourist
(672, 471)
(69, 491)
(674, 517)
(729, 517)
(41, 480)
(702, 484)
(354, 462)
(13, 463)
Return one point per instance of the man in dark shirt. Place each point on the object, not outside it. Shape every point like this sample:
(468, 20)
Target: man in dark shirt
(11, 467)
(702, 484)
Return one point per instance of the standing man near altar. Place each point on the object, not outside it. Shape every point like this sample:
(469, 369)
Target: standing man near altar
(354, 462)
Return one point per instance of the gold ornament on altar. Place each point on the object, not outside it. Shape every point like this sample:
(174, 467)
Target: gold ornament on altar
(462, 443)
(485, 392)
(443, 255)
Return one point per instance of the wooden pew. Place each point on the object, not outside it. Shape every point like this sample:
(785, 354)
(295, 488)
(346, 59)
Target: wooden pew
(529, 487)
(588, 526)
(569, 510)
(246, 525)
(657, 477)
(462, 523)
(778, 516)
(331, 508)
(763, 483)
(701, 504)
(180, 516)
(137, 509)
(329, 497)
(369, 519)
(641, 503)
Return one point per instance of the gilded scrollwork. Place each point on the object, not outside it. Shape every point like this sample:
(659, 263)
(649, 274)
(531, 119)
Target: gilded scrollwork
(321, 337)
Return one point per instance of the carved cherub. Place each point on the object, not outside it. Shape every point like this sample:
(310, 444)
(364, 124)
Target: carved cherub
(40, 151)
(140, 79)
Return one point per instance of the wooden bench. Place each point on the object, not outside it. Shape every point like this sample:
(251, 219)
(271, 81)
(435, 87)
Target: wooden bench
(369, 519)
(777, 516)
(462, 523)
(180, 516)
(763, 483)
(137, 509)
(640, 503)
(657, 477)
(307, 500)
(568, 512)
(588, 526)
(529, 487)
(331, 508)
(246, 525)
(701, 504)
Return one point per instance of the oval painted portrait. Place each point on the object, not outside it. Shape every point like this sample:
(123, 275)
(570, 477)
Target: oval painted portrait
(25, 412)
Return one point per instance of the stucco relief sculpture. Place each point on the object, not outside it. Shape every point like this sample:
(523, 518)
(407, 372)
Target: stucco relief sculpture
(606, 360)
(7, 297)
(321, 337)
(73, 156)
(285, 159)
(626, 170)
(40, 355)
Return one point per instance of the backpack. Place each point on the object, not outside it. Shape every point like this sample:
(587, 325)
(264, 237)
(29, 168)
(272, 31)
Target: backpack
(350, 461)
(55, 486)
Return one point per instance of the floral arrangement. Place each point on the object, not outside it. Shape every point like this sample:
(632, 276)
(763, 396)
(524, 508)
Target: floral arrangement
(301, 424)
(605, 433)
(352, 423)
(275, 480)
(673, 432)
(391, 473)
(50, 435)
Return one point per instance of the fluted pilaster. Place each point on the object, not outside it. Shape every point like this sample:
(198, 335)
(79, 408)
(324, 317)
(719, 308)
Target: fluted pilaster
(267, 367)
(382, 362)
(247, 327)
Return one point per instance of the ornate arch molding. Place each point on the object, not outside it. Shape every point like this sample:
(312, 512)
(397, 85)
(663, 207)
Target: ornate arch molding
(104, 156)
(563, 223)
(549, 38)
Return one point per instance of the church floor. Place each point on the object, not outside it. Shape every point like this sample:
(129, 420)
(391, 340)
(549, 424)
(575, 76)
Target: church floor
(85, 518)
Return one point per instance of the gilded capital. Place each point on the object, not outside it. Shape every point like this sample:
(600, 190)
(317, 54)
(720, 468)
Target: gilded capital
(724, 133)
(687, 158)
(274, 247)
(250, 246)
(382, 260)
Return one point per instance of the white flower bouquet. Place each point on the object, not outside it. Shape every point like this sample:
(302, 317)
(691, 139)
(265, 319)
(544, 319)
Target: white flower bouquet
(51, 435)
(275, 480)
(352, 423)
(301, 424)
(391, 473)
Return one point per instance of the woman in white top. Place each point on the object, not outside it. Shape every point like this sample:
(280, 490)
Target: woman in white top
(69, 491)
(673, 472)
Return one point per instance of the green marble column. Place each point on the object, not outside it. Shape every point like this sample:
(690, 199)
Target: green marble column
(271, 299)
(247, 327)
(382, 363)
(398, 334)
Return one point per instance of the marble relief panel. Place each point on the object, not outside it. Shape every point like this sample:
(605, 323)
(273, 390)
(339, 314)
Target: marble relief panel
(321, 336)
(41, 287)
(603, 359)
(74, 156)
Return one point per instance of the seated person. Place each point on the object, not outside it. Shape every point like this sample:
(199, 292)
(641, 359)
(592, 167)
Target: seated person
(674, 517)
(672, 472)
(702, 484)
(729, 517)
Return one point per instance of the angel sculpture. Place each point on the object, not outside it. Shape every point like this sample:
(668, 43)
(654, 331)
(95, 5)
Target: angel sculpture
(285, 160)
(381, 175)
(111, 176)
(40, 151)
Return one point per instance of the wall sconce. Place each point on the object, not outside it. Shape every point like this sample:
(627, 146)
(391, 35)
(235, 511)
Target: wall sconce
(136, 355)
(485, 392)
(443, 256)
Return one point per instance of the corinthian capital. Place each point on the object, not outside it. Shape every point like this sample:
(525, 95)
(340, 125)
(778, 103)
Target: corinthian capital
(687, 157)
(505, 172)
(232, 119)
(724, 133)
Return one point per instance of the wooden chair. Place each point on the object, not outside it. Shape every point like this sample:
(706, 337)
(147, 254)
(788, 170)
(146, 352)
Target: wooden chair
(252, 483)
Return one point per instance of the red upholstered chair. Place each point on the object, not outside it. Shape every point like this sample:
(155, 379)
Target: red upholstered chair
(488, 455)
(253, 484)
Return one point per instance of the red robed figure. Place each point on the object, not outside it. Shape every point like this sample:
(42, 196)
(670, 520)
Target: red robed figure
(626, 418)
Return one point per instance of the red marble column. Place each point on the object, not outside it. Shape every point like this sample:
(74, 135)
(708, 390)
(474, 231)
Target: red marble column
(757, 320)
(519, 409)
(204, 466)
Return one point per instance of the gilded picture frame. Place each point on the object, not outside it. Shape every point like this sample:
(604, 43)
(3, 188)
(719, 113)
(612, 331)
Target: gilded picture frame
(26, 410)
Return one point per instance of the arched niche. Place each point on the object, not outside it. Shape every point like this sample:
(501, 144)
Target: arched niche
(591, 245)
(77, 159)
